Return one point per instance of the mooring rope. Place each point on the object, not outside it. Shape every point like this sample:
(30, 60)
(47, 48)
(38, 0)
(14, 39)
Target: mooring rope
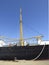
(39, 53)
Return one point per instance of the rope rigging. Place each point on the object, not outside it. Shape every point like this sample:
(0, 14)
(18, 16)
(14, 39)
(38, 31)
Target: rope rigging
(31, 29)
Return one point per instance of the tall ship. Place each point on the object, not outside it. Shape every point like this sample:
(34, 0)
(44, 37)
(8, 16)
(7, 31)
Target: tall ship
(22, 49)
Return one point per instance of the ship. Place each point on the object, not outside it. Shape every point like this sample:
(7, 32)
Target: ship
(23, 50)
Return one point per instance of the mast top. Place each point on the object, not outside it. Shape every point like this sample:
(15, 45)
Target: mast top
(20, 10)
(20, 14)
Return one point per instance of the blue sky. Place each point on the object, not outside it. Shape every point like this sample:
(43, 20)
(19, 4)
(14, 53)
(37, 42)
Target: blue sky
(35, 18)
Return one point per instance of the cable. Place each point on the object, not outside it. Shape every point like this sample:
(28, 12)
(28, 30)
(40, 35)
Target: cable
(39, 53)
(31, 28)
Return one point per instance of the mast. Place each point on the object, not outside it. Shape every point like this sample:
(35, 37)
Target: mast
(21, 30)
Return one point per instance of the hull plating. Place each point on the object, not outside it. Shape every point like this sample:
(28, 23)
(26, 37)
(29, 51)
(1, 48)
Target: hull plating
(26, 52)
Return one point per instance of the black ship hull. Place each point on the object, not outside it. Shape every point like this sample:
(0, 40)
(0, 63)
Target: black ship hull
(25, 52)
